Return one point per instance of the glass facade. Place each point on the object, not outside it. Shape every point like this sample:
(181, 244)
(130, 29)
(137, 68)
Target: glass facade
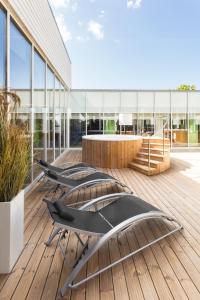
(57, 118)
(40, 115)
(43, 96)
(2, 48)
(136, 112)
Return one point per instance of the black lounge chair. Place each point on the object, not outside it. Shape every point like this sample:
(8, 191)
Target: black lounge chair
(72, 184)
(119, 213)
(70, 168)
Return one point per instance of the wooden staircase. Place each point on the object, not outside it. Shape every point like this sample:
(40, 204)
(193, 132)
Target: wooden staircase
(153, 157)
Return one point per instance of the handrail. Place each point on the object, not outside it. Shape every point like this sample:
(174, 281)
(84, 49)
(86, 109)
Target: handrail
(157, 134)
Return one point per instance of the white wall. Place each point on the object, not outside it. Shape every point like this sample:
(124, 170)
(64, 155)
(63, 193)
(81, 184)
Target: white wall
(38, 19)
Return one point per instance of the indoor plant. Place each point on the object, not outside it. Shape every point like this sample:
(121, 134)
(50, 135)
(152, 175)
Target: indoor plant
(14, 165)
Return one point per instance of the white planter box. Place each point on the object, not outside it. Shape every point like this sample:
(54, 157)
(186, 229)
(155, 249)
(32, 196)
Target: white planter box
(11, 232)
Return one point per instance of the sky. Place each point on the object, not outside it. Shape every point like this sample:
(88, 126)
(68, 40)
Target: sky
(131, 44)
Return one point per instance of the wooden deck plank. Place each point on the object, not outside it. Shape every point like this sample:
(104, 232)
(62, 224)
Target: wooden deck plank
(169, 269)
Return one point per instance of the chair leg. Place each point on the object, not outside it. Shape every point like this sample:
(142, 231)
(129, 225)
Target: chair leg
(52, 236)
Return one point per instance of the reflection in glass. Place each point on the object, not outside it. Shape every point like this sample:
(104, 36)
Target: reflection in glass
(57, 119)
(39, 81)
(194, 130)
(145, 124)
(62, 106)
(94, 124)
(2, 48)
(40, 118)
(179, 130)
(50, 106)
(62, 132)
(39, 139)
(77, 129)
(23, 119)
(111, 124)
(20, 59)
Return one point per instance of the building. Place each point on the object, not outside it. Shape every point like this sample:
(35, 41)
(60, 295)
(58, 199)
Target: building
(136, 112)
(34, 62)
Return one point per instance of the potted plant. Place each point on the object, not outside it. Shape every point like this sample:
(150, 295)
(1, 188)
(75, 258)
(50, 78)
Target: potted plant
(14, 165)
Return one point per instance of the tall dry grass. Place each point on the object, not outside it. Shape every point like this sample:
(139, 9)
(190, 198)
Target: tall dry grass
(14, 149)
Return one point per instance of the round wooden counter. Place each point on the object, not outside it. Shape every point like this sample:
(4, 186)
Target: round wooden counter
(110, 151)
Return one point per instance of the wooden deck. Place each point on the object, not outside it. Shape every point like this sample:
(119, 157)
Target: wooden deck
(168, 270)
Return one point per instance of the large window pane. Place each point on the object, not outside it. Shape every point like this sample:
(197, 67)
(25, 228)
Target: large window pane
(50, 116)
(20, 74)
(62, 107)
(111, 124)
(39, 139)
(194, 130)
(129, 102)
(20, 59)
(162, 102)
(94, 102)
(2, 48)
(57, 119)
(146, 102)
(145, 124)
(179, 130)
(94, 124)
(111, 102)
(40, 117)
(194, 118)
(78, 102)
(39, 81)
(179, 119)
(77, 129)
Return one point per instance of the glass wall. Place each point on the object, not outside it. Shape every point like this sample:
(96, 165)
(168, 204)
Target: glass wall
(57, 119)
(40, 117)
(77, 129)
(62, 109)
(20, 78)
(43, 97)
(179, 119)
(2, 48)
(194, 119)
(136, 112)
(50, 115)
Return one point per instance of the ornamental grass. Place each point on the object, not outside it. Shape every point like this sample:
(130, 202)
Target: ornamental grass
(14, 149)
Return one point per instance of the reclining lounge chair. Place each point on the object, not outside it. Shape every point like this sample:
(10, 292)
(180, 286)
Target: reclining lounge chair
(69, 169)
(121, 212)
(83, 182)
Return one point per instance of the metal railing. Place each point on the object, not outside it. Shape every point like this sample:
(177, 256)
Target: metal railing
(161, 134)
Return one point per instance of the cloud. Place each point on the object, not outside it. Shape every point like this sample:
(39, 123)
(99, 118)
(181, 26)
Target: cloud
(102, 14)
(82, 39)
(96, 29)
(58, 4)
(80, 23)
(66, 34)
(134, 3)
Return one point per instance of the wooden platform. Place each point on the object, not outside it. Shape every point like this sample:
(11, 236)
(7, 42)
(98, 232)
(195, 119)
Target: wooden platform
(108, 153)
(167, 270)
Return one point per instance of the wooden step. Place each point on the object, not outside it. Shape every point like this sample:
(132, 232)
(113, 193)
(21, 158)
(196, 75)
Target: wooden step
(143, 169)
(155, 140)
(155, 145)
(145, 161)
(153, 150)
(154, 156)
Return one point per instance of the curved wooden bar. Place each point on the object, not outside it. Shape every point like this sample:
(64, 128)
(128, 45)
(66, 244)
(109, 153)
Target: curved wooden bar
(115, 151)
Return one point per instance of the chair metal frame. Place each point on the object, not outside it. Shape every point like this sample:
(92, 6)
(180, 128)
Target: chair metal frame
(70, 171)
(88, 252)
(90, 183)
